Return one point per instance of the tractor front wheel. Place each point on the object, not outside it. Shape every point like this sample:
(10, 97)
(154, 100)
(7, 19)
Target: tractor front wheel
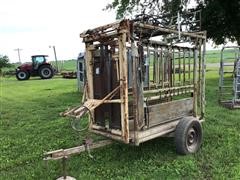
(46, 72)
(22, 75)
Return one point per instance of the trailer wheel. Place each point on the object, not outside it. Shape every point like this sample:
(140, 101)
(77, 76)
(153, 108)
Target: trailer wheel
(188, 136)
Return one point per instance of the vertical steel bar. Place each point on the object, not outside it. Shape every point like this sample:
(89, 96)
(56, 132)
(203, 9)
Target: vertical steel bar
(221, 73)
(170, 66)
(173, 66)
(149, 66)
(184, 69)
(154, 66)
(189, 66)
(203, 76)
(163, 68)
(159, 66)
(200, 74)
(64, 166)
(179, 65)
(195, 88)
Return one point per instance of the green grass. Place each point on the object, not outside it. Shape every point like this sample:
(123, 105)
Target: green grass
(30, 125)
(69, 65)
(213, 56)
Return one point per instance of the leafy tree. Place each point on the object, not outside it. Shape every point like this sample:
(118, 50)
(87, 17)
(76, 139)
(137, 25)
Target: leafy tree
(220, 18)
(153, 7)
(4, 62)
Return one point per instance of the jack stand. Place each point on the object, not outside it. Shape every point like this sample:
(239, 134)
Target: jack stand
(64, 170)
(65, 153)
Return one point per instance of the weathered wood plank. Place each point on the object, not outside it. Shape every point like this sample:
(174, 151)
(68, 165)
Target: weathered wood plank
(156, 131)
(164, 112)
(137, 89)
(63, 153)
(152, 27)
(123, 84)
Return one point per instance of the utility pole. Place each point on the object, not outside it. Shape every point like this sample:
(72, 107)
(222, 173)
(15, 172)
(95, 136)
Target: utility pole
(19, 57)
(55, 55)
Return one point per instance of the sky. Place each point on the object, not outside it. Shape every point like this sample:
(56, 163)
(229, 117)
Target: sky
(35, 25)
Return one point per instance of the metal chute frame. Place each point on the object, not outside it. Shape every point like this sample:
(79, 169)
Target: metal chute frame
(229, 77)
(128, 55)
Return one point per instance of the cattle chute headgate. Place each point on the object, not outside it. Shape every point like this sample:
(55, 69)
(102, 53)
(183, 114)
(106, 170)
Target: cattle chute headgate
(143, 81)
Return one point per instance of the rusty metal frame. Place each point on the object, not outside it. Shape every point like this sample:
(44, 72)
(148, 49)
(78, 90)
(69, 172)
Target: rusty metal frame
(229, 94)
(177, 71)
(157, 83)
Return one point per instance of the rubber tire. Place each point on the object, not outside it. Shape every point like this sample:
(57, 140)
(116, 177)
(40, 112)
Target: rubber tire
(181, 135)
(22, 79)
(42, 76)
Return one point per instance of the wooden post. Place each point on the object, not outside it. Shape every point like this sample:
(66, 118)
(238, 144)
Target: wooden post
(123, 84)
(89, 74)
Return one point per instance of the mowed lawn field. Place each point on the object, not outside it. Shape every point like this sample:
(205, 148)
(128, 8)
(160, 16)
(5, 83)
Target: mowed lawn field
(30, 125)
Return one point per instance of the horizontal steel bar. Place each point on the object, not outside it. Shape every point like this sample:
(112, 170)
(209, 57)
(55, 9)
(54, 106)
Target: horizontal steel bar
(167, 89)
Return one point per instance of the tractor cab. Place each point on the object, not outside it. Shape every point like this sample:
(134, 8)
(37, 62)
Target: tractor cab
(38, 60)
